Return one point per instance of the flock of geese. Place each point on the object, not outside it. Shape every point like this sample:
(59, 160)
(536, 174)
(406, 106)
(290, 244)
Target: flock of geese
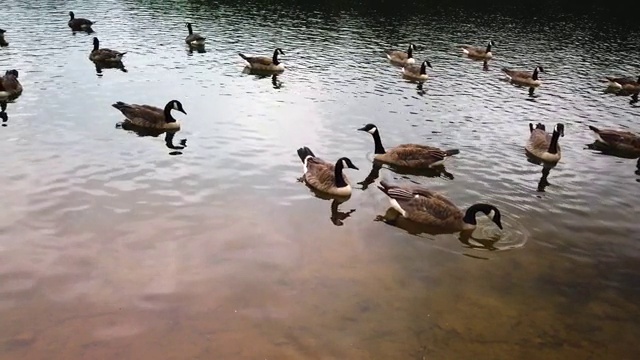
(412, 202)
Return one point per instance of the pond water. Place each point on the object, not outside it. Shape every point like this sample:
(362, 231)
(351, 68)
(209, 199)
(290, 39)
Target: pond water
(113, 245)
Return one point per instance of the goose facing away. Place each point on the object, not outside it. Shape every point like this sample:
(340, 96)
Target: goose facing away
(79, 24)
(619, 82)
(416, 72)
(3, 42)
(427, 207)
(103, 55)
(264, 63)
(524, 78)
(10, 86)
(411, 156)
(324, 176)
(619, 140)
(543, 145)
(194, 39)
(147, 116)
(478, 52)
(401, 57)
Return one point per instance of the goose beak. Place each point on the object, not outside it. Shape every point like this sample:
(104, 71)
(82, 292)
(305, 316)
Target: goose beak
(354, 167)
(182, 111)
(362, 129)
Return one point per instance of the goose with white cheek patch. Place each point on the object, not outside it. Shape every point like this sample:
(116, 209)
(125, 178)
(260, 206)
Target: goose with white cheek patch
(429, 208)
(478, 53)
(79, 24)
(543, 145)
(400, 57)
(194, 39)
(324, 176)
(524, 78)
(264, 63)
(151, 117)
(415, 72)
(618, 140)
(411, 156)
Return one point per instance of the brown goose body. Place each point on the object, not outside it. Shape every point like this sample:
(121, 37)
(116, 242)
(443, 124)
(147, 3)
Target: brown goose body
(10, 86)
(522, 77)
(103, 55)
(543, 145)
(324, 176)
(147, 116)
(79, 24)
(194, 39)
(416, 72)
(401, 57)
(264, 63)
(618, 140)
(619, 82)
(478, 53)
(432, 209)
(411, 156)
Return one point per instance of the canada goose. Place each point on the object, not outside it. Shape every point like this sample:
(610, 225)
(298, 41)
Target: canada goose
(416, 72)
(103, 55)
(543, 145)
(79, 24)
(401, 57)
(148, 116)
(264, 63)
(624, 141)
(478, 52)
(10, 86)
(524, 78)
(407, 155)
(194, 39)
(619, 82)
(427, 207)
(323, 176)
(3, 42)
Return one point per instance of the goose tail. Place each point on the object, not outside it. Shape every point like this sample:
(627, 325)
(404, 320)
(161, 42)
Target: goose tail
(120, 105)
(304, 153)
(246, 58)
(594, 129)
(452, 152)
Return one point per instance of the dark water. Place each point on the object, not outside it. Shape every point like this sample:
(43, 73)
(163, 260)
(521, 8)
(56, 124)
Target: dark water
(110, 247)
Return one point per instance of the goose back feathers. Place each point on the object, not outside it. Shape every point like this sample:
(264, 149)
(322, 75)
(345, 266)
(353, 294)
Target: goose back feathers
(194, 39)
(103, 55)
(543, 145)
(478, 53)
(10, 86)
(525, 78)
(79, 24)
(401, 57)
(147, 116)
(416, 72)
(324, 176)
(264, 63)
(618, 140)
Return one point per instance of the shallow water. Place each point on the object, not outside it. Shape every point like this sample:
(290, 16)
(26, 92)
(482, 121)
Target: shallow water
(110, 247)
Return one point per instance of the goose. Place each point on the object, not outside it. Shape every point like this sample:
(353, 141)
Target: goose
(324, 176)
(427, 207)
(524, 78)
(3, 42)
(401, 57)
(407, 155)
(103, 55)
(619, 82)
(194, 39)
(147, 116)
(264, 63)
(543, 145)
(79, 24)
(619, 140)
(478, 52)
(415, 72)
(10, 86)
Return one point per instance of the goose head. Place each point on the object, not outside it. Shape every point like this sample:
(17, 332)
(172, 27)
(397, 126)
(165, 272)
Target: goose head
(72, 15)
(559, 128)
(370, 128)
(177, 106)
(347, 163)
(278, 51)
(96, 43)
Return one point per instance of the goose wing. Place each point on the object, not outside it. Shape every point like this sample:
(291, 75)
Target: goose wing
(539, 139)
(320, 174)
(412, 155)
(397, 54)
(106, 55)
(423, 205)
(145, 112)
(413, 69)
(194, 37)
(521, 74)
(621, 80)
(617, 137)
(9, 82)
(262, 60)
(474, 49)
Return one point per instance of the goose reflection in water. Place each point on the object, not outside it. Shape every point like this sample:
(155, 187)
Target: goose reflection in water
(374, 174)
(337, 217)
(264, 74)
(168, 136)
(114, 65)
(198, 49)
(546, 169)
(420, 89)
(3, 113)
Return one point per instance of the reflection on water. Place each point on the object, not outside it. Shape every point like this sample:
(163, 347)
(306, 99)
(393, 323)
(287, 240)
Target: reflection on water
(111, 248)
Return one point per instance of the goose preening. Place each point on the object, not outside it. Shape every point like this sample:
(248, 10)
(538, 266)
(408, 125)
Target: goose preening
(430, 208)
(478, 53)
(400, 57)
(10, 87)
(104, 55)
(79, 24)
(324, 176)
(264, 63)
(147, 116)
(412, 156)
(544, 146)
(619, 82)
(3, 42)
(416, 72)
(617, 140)
(194, 39)
(524, 78)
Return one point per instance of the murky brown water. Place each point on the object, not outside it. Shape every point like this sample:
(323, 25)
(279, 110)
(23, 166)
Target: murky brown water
(110, 248)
